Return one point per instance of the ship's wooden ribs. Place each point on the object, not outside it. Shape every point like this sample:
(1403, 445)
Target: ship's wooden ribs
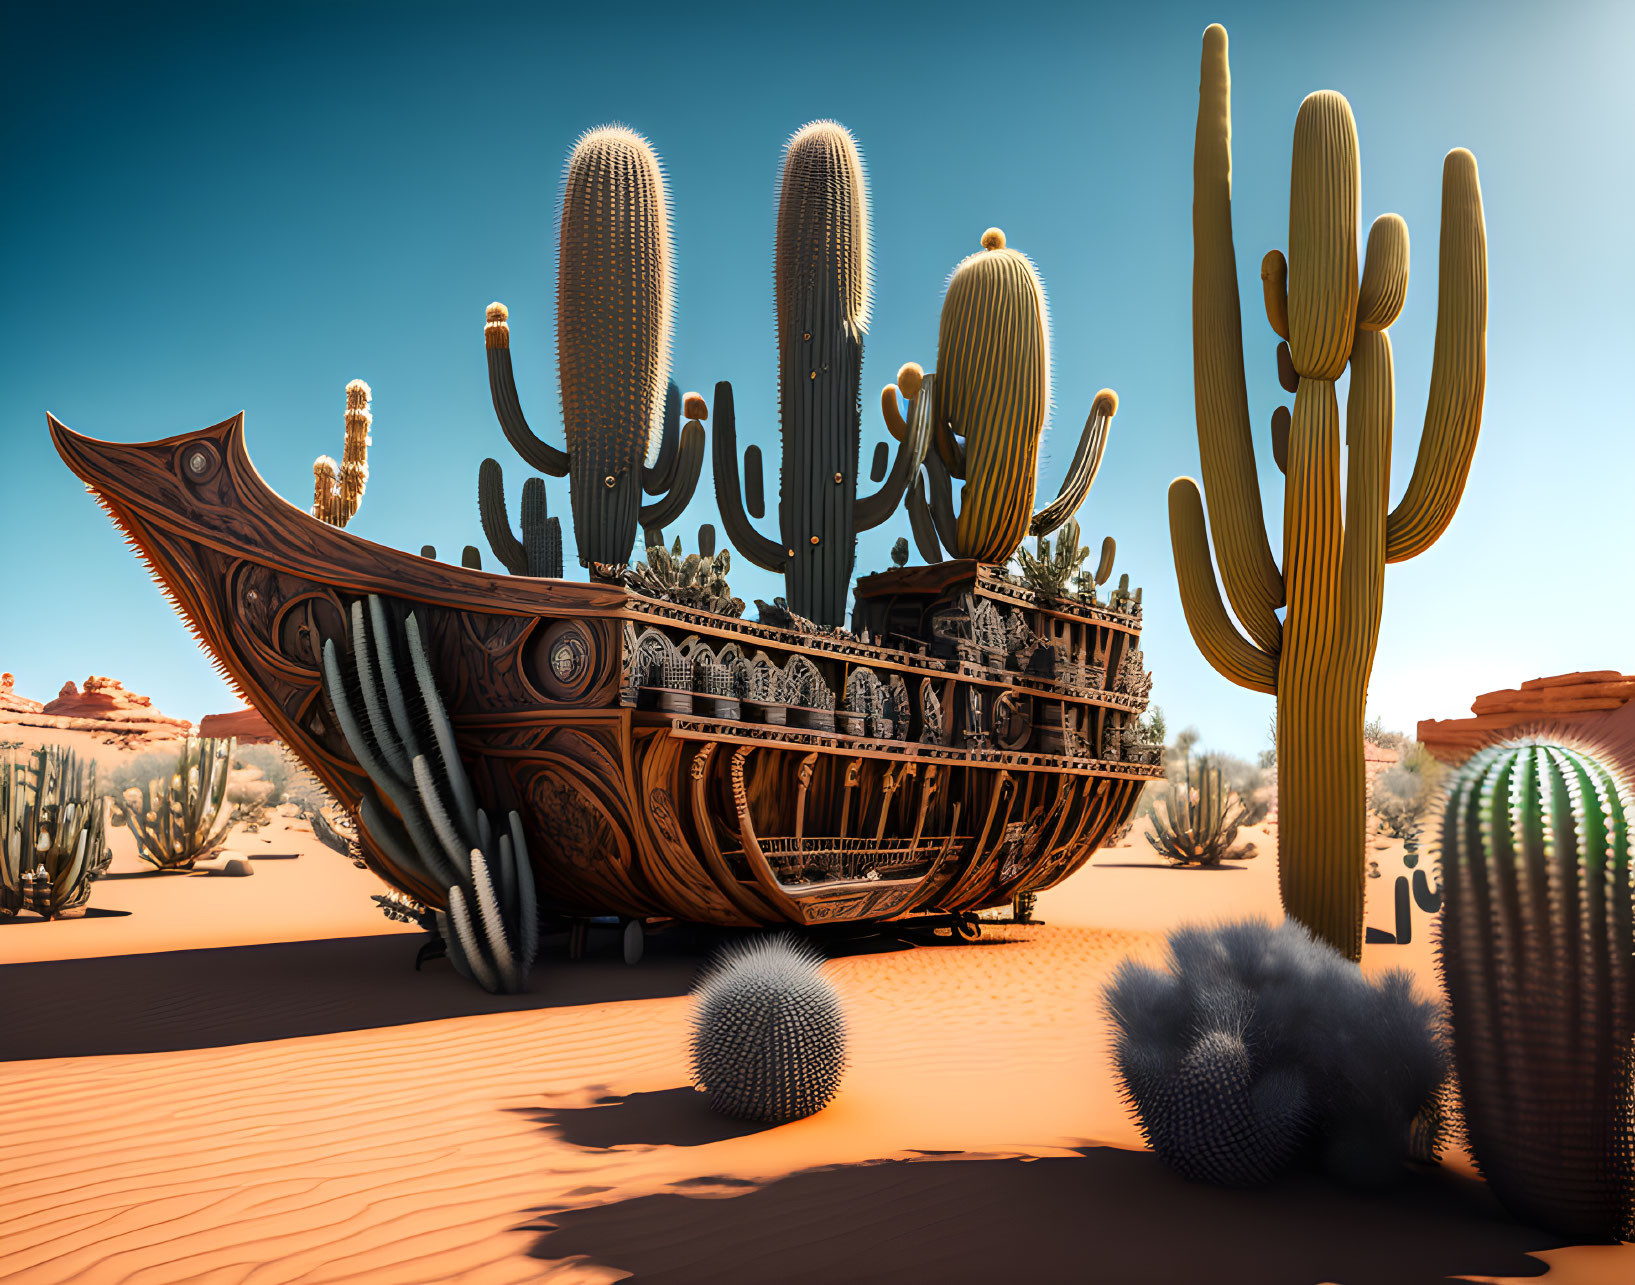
(765, 878)
(745, 899)
(804, 773)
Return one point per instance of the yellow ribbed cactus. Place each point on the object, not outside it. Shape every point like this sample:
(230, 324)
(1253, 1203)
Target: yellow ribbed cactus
(1317, 660)
(993, 389)
(337, 490)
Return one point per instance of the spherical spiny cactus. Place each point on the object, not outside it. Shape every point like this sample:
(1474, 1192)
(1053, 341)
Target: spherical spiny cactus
(1536, 952)
(614, 301)
(769, 1034)
(993, 389)
(1259, 1042)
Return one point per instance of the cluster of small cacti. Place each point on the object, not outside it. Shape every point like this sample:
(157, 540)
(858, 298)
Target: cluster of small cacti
(1258, 1045)
(337, 490)
(1538, 955)
(692, 580)
(620, 414)
(769, 1032)
(539, 552)
(178, 817)
(422, 813)
(990, 397)
(1317, 656)
(52, 843)
(821, 274)
(1197, 822)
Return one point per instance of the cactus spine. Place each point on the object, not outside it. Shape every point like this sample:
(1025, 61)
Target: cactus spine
(992, 397)
(1317, 660)
(1536, 954)
(614, 307)
(337, 490)
(821, 278)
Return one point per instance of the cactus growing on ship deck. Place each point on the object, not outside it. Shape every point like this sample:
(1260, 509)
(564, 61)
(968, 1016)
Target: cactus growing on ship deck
(51, 833)
(420, 812)
(1536, 953)
(539, 552)
(1317, 659)
(991, 399)
(337, 490)
(613, 316)
(821, 276)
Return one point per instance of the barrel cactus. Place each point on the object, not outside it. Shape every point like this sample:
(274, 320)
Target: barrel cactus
(990, 399)
(769, 1034)
(620, 414)
(1535, 950)
(821, 278)
(1259, 1044)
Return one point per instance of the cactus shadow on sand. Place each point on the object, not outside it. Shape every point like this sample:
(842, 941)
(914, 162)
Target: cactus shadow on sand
(1014, 1219)
(678, 1117)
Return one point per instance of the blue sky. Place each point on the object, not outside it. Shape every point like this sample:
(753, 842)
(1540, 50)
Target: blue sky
(243, 207)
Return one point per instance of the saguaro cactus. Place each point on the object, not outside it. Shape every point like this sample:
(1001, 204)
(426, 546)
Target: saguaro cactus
(1536, 952)
(992, 389)
(821, 273)
(337, 490)
(539, 552)
(1316, 661)
(613, 314)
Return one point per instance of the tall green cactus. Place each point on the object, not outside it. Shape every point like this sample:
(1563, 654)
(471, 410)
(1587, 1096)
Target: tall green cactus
(539, 552)
(991, 395)
(613, 314)
(51, 833)
(1316, 660)
(1536, 952)
(821, 275)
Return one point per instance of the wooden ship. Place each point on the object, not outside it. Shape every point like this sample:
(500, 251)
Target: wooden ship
(971, 736)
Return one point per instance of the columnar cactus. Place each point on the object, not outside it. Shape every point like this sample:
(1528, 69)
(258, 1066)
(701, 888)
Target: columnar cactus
(613, 314)
(1536, 953)
(51, 833)
(991, 399)
(337, 490)
(539, 552)
(769, 1033)
(420, 812)
(1316, 660)
(177, 818)
(821, 274)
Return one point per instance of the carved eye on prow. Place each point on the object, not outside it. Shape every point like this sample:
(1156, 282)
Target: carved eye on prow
(199, 462)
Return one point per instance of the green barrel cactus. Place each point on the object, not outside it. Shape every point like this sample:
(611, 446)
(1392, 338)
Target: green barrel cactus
(769, 1034)
(991, 397)
(821, 277)
(1536, 953)
(613, 315)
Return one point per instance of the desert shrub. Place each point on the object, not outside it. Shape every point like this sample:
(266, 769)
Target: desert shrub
(274, 767)
(769, 1034)
(1403, 793)
(1258, 1048)
(1375, 734)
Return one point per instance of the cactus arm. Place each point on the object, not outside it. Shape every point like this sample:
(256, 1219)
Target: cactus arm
(870, 512)
(1280, 438)
(1081, 473)
(729, 496)
(1233, 656)
(922, 524)
(688, 463)
(942, 501)
(1368, 491)
(496, 522)
(656, 476)
(1225, 442)
(502, 386)
(1384, 285)
(1274, 285)
(1104, 568)
(1453, 414)
(896, 425)
(949, 449)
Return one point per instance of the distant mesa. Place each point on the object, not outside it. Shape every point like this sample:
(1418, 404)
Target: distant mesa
(246, 725)
(1584, 701)
(102, 705)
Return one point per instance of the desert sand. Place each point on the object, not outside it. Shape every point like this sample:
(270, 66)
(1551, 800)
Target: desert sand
(236, 1080)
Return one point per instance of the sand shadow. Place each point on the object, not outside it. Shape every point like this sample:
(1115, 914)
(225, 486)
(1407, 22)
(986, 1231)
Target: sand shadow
(665, 1118)
(1157, 865)
(91, 912)
(190, 999)
(1108, 1216)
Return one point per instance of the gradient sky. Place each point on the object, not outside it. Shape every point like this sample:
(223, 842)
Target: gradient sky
(243, 207)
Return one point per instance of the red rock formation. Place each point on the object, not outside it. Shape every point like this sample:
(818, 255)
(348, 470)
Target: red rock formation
(11, 702)
(103, 706)
(1581, 701)
(246, 725)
